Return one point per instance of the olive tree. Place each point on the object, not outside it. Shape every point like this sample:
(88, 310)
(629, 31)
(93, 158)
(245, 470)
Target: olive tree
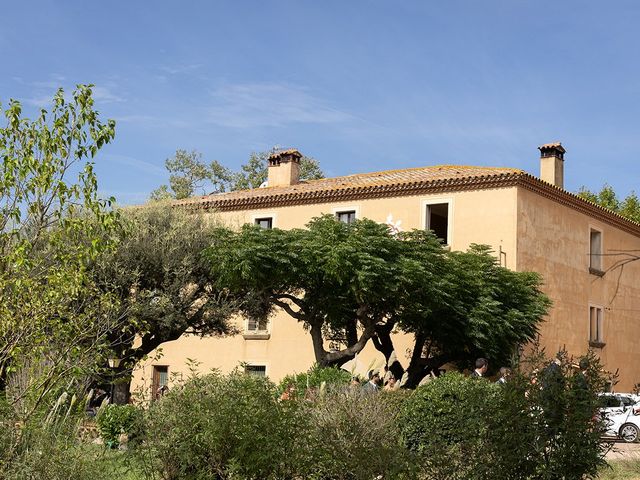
(162, 282)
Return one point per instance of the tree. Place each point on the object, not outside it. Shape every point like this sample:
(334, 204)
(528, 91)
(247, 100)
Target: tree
(162, 283)
(607, 198)
(339, 280)
(349, 283)
(190, 175)
(484, 310)
(53, 321)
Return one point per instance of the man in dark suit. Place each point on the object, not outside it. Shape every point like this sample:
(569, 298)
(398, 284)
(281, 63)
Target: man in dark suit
(482, 365)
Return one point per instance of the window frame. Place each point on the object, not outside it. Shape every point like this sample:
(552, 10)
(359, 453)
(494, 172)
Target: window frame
(257, 221)
(264, 215)
(596, 259)
(345, 209)
(257, 334)
(347, 212)
(424, 208)
(155, 379)
(256, 365)
(596, 339)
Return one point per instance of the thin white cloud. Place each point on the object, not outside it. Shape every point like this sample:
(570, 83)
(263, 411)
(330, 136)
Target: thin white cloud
(43, 91)
(106, 95)
(40, 101)
(142, 165)
(124, 198)
(179, 69)
(270, 105)
(152, 121)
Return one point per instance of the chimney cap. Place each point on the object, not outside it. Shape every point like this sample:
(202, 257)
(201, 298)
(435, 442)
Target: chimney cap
(293, 152)
(557, 146)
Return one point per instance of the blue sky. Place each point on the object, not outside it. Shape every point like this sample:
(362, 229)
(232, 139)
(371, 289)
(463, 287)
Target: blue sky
(359, 85)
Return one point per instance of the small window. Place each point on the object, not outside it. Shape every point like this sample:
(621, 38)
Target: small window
(595, 252)
(266, 222)
(257, 325)
(160, 381)
(257, 370)
(347, 216)
(438, 220)
(596, 337)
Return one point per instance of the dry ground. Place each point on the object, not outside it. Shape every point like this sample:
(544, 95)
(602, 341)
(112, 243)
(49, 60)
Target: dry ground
(624, 460)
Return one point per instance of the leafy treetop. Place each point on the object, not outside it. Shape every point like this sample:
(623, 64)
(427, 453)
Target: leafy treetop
(191, 175)
(628, 207)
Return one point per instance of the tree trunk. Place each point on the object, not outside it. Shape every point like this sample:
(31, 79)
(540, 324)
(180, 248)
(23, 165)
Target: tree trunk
(340, 357)
(121, 385)
(384, 344)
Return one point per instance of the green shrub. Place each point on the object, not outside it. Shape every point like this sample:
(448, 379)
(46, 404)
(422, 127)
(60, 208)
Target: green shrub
(445, 423)
(115, 420)
(50, 451)
(353, 435)
(331, 377)
(534, 427)
(223, 427)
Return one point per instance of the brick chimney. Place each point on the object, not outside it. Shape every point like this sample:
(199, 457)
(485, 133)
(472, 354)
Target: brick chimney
(284, 168)
(552, 163)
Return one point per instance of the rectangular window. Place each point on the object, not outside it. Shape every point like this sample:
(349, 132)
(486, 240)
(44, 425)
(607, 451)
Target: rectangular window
(596, 337)
(266, 222)
(257, 325)
(438, 220)
(257, 370)
(347, 216)
(159, 381)
(595, 251)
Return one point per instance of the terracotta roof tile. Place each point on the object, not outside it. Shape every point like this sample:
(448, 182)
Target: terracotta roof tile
(388, 178)
(556, 145)
(411, 181)
(288, 151)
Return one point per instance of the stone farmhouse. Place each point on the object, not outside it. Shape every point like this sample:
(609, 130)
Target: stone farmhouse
(530, 222)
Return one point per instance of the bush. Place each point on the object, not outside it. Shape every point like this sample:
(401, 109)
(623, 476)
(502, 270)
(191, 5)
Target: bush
(445, 423)
(331, 377)
(540, 426)
(116, 420)
(223, 427)
(353, 435)
(49, 451)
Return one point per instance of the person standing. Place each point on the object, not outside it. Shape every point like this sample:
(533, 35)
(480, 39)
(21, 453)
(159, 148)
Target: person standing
(503, 375)
(482, 365)
(372, 385)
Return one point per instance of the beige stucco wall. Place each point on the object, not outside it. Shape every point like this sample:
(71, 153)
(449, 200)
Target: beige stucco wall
(482, 216)
(553, 239)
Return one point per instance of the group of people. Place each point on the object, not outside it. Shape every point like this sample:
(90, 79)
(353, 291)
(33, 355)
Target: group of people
(482, 365)
(375, 382)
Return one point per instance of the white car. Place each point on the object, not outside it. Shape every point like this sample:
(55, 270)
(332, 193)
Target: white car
(614, 403)
(623, 422)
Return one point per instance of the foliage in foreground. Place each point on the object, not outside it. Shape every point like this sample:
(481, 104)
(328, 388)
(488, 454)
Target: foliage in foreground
(54, 321)
(234, 426)
(315, 378)
(541, 425)
(117, 420)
